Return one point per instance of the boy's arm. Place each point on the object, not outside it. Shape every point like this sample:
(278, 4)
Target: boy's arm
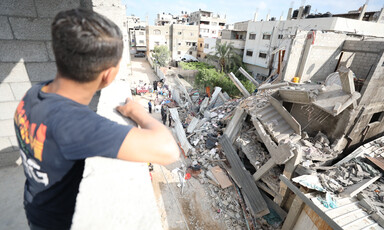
(152, 142)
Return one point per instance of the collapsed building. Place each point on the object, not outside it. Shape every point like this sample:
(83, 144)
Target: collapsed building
(297, 126)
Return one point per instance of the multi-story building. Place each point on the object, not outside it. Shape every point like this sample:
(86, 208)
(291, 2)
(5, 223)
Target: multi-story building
(184, 41)
(158, 35)
(169, 19)
(137, 34)
(236, 36)
(265, 38)
(210, 26)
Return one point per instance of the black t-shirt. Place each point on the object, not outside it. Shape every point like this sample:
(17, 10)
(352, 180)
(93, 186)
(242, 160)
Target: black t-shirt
(55, 135)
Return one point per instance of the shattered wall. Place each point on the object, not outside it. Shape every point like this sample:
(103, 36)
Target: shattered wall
(323, 56)
(26, 58)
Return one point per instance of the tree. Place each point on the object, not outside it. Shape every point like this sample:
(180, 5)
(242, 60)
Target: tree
(226, 57)
(162, 55)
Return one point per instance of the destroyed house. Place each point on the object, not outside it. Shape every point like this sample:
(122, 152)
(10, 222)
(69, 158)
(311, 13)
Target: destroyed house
(340, 88)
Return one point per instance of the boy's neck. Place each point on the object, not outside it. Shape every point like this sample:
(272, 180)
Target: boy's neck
(79, 92)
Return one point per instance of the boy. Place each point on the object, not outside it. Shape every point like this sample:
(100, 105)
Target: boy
(56, 130)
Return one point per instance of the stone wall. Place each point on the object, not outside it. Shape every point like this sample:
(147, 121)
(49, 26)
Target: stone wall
(26, 58)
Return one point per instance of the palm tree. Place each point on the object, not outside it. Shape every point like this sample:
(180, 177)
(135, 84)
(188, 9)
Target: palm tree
(226, 57)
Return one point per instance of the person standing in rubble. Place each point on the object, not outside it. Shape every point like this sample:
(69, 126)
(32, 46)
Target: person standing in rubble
(150, 106)
(169, 117)
(56, 130)
(163, 114)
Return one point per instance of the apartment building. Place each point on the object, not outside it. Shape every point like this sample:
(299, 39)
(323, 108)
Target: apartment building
(236, 36)
(157, 36)
(184, 41)
(137, 34)
(265, 38)
(210, 26)
(169, 19)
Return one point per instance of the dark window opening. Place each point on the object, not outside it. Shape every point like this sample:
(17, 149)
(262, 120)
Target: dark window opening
(262, 55)
(280, 36)
(376, 117)
(190, 52)
(266, 36)
(249, 53)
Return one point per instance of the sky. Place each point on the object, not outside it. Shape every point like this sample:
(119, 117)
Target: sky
(242, 10)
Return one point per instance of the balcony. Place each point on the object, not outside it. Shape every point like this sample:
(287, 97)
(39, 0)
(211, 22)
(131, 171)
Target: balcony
(237, 43)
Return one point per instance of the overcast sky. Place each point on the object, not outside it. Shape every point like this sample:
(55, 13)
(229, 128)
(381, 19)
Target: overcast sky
(241, 10)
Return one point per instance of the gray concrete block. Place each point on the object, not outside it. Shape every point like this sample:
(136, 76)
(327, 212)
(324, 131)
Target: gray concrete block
(5, 28)
(31, 28)
(51, 55)
(18, 8)
(19, 89)
(49, 8)
(38, 72)
(8, 158)
(7, 128)
(8, 110)
(6, 93)
(13, 72)
(29, 51)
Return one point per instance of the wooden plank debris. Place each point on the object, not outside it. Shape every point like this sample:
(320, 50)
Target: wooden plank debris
(293, 214)
(234, 126)
(238, 84)
(264, 169)
(221, 177)
(257, 204)
(249, 77)
(379, 162)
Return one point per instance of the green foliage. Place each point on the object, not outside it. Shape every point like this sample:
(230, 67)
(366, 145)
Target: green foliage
(226, 57)
(162, 55)
(212, 78)
(195, 65)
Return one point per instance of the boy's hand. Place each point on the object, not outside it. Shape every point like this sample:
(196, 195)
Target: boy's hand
(130, 107)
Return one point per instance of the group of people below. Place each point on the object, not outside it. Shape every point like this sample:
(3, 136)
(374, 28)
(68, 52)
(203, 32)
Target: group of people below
(164, 113)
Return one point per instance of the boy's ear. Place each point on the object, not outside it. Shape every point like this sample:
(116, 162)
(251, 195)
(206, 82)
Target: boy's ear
(108, 76)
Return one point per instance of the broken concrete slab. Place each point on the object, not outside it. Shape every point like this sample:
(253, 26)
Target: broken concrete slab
(249, 77)
(272, 86)
(235, 124)
(264, 169)
(353, 190)
(185, 145)
(286, 115)
(204, 104)
(214, 97)
(346, 77)
(192, 125)
(238, 84)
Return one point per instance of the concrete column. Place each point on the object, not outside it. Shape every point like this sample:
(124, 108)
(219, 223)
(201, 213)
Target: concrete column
(300, 14)
(346, 77)
(255, 16)
(289, 15)
(362, 12)
(307, 51)
(380, 19)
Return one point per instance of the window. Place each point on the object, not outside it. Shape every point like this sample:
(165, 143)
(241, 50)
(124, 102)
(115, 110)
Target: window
(188, 43)
(198, 55)
(179, 33)
(213, 31)
(157, 43)
(249, 53)
(141, 41)
(190, 52)
(206, 46)
(376, 117)
(266, 36)
(280, 36)
(141, 33)
(157, 32)
(252, 36)
(193, 43)
(178, 52)
(201, 44)
(179, 43)
(241, 37)
(262, 55)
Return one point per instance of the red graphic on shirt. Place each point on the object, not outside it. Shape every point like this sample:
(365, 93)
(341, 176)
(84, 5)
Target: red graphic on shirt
(27, 132)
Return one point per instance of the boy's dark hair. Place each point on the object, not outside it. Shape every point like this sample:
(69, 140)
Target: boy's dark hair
(85, 43)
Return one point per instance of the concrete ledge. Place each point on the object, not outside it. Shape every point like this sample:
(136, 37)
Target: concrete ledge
(17, 8)
(31, 28)
(14, 51)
